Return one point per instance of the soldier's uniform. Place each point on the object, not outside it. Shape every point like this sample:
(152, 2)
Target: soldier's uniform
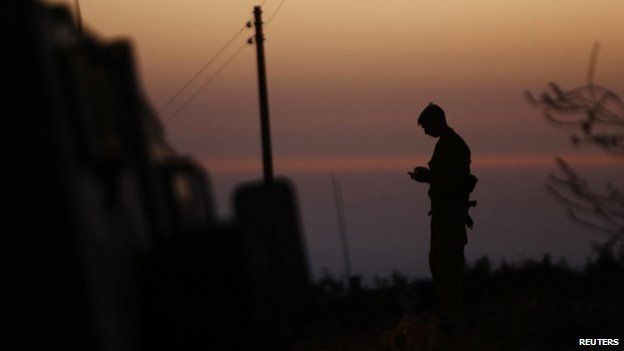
(449, 174)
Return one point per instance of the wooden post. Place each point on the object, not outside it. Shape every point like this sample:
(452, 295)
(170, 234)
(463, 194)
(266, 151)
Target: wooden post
(342, 225)
(267, 157)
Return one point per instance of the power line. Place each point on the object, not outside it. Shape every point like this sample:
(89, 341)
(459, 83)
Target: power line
(203, 68)
(275, 13)
(207, 82)
(192, 96)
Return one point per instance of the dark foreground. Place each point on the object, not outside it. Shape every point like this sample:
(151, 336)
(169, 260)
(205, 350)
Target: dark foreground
(532, 306)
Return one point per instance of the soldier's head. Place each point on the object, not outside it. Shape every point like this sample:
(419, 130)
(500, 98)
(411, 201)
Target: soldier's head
(432, 120)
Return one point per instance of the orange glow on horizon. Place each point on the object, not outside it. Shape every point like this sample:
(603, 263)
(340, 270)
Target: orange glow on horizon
(399, 163)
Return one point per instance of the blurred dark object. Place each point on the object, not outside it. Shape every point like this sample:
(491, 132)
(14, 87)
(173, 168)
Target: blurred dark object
(599, 115)
(596, 111)
(268, 221)
(112, 240)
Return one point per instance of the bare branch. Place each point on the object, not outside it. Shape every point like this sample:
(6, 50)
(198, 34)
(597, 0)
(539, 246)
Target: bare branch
(598, 114)
(589, 107)
(604, 212)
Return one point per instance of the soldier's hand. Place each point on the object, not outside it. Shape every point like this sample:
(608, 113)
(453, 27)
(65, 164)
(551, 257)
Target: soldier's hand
(420, 174)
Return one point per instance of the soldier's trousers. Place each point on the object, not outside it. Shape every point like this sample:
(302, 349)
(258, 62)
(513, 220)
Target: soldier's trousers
(446, 260)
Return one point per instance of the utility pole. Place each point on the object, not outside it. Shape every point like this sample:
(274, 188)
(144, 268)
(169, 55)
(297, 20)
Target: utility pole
(267, 157)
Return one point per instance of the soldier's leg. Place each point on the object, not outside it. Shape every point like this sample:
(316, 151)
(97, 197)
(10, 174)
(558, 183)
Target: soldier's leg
(434, 258)
(450, 263)
(451, 273)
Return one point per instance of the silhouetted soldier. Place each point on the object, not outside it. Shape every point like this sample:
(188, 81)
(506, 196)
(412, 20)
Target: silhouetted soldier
(450, 183)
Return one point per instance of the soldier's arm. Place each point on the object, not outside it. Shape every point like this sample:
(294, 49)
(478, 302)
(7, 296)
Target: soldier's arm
(421, 174)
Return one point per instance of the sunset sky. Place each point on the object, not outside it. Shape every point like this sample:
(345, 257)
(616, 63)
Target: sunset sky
(347, 79)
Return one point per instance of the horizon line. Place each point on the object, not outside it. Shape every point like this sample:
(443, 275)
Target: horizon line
(399, 162)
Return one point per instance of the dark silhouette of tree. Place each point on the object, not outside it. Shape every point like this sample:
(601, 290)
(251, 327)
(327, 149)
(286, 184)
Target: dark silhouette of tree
(598, 115)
